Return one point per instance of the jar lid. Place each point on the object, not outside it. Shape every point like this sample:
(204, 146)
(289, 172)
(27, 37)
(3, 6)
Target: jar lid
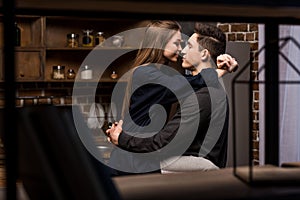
(72, 35)
(88, 31)
(86, 67)
(58, 67)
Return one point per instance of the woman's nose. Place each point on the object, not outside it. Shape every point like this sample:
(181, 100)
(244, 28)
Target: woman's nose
(179, 48)
(183, 50)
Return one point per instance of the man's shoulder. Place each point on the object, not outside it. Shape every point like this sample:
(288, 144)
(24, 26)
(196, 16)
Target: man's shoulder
(202, 91)
(205, 95)
(201, 96)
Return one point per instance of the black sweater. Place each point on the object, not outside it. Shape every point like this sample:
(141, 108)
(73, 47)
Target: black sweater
(145, 132)
(200, 127)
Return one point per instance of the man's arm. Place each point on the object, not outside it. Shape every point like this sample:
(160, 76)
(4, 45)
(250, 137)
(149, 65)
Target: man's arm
(226, 64)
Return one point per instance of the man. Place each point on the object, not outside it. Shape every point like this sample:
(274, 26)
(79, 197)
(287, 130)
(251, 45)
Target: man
(200, 125)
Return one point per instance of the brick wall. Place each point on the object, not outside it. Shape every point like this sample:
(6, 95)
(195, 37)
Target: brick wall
(248, 33)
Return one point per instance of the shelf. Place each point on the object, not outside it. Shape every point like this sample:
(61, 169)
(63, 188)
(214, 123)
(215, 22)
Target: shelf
(43, 45)
(104, 80)
(28, 49)
(88, 48)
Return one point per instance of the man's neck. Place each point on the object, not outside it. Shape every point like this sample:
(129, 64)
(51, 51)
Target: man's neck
(200, 68)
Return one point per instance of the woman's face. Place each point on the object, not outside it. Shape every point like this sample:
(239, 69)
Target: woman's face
(173, 47)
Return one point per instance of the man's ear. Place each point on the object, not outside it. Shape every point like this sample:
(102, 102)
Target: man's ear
(205, 55)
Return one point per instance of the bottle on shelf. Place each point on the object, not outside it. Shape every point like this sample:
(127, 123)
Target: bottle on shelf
(71, 74)
(58, 72)
(18, 35)
(72, 40)
(87, 39)
(99, 39)
(114, 75)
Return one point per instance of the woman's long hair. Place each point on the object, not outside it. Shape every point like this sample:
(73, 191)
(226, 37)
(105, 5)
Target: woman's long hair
(158, 33)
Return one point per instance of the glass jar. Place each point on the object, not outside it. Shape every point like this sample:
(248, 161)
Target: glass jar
(87, 39)
(72, 40)
(58, 72)
(86, 73)
(99, 39)
(71, 74)
(117, 40)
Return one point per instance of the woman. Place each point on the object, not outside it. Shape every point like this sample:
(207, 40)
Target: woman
(160, 47)
(153, 83)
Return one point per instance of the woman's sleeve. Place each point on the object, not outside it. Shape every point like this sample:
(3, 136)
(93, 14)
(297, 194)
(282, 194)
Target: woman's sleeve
(134, 143)
(183, 125)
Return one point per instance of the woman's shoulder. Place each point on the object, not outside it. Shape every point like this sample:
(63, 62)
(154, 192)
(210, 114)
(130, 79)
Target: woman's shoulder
(145, 70)
(146, 67)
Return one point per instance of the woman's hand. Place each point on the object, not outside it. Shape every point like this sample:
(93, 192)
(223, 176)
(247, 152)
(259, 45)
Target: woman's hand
(226, 64)
(114, 132)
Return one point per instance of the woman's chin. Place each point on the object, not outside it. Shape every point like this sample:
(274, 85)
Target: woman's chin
(186, 65)
(174, 59)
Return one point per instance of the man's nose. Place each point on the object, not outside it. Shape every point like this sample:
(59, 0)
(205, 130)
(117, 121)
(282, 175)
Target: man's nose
(181, 53)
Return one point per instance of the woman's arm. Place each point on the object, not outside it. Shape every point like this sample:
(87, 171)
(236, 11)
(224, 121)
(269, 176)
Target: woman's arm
(184, 123)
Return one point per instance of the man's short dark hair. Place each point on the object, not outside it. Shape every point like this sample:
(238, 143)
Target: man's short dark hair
(211, 38)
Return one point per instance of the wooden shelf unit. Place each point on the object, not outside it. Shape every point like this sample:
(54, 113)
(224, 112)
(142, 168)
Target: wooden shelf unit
(44, 45)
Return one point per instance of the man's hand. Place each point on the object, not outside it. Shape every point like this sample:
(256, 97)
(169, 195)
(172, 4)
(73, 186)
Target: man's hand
(114, 132)
(226, 64)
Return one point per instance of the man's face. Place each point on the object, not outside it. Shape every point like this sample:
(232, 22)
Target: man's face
(173, 47)
(191, 54)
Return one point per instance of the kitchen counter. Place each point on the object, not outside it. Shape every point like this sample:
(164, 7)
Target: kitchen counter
(217, 184)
